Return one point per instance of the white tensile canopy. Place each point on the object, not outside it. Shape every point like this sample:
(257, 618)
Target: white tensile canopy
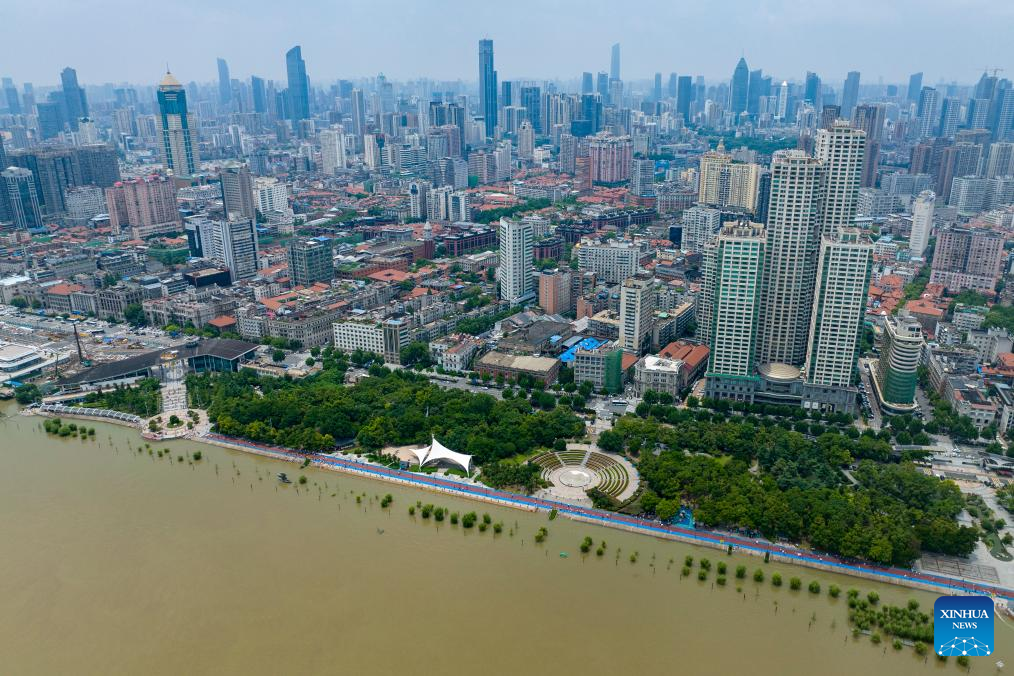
(437, 451)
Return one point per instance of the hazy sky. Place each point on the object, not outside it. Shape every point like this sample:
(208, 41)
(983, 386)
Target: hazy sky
(131, 40)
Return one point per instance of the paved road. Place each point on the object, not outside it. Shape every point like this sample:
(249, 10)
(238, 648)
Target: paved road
(465, 384)
(864, 376)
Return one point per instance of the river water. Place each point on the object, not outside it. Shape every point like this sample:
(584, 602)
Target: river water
(117, 562)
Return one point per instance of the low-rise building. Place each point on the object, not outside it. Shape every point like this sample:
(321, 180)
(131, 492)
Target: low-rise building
(511, 367)
(455, 353)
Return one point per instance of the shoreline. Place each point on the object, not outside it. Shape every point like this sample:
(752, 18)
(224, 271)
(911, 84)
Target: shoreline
(715, 540)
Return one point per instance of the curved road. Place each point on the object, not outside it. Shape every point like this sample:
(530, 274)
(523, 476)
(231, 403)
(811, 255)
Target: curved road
(887, 574)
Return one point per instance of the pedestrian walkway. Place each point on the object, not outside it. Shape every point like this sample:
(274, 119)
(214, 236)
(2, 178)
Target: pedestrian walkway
(786, 553)
(174, 388)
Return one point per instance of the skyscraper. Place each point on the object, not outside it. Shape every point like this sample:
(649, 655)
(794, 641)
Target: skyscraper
(531, 100)
(636, 307)
(782, 109)
(850, 94)
(740, 87)
(74, 101)
(179, 129)
(791, 258)
(956, 161)
(950, 116)
(700, 226)
(359, 114)
(914, 87)
(840, 152)
(732, 269)
(58, 168)
(299, 85)
(526, 141)
(237, 191)
(51, 118)
(1000, 161)
(224, 83)
(870, 119)
(614, 62)
(725, 183)
(11, 97)
(928, 111)
(587, 84)
(487, 87)
(642, 178)
(258, 94)
(514, 269)
(843, 277)
(757, 86)
(21, 199)
(811, 90)
(332, 150)
(922, 223)
(684, 95)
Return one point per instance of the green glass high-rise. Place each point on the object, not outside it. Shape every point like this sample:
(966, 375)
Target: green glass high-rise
(179, 129)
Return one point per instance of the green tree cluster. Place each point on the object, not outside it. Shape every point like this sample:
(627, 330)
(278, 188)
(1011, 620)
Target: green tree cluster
(778, 482)
(143, 399)
(391, 408)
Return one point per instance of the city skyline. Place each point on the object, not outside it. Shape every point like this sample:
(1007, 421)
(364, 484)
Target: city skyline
(771, 35)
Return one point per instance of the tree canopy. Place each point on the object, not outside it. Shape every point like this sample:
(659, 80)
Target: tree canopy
(390, 408)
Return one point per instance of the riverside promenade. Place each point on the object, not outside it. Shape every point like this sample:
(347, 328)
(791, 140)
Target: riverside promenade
(935, 583)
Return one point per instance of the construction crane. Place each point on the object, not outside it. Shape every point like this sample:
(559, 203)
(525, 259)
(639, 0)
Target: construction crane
(80, 352)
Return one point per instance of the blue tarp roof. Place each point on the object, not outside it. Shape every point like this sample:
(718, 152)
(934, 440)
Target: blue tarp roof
(586, 344)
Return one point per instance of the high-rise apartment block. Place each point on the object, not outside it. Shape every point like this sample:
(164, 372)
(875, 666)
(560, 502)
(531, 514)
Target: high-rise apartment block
(232, 244)
(839, 306)
(514, 268)
(725, 183)
(840, 152)
(310, 261)
(700, 226)
(636, 307)
(732, 268)
(923, 207)
(332, 150)
(967, 258)
(610, 158)
(554, 291)
(145, 205)
(237, 191)
(611, 262)
(791, 258)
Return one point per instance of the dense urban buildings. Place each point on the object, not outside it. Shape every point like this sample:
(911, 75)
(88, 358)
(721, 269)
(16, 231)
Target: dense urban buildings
(775, 239)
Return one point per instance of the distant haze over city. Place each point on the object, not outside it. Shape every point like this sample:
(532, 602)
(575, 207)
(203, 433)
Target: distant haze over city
(112, 41)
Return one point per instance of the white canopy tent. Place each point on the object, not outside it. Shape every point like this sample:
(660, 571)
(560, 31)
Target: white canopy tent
(436, 451)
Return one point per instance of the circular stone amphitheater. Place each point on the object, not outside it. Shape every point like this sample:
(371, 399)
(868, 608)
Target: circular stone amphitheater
(580, 468)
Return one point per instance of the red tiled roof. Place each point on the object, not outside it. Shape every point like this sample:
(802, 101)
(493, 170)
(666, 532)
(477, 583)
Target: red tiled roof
(223, 322)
